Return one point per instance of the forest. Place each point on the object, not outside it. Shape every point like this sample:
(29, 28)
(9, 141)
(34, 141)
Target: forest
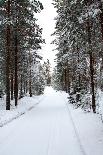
(79, 42)
(51, 107)
(21, 71)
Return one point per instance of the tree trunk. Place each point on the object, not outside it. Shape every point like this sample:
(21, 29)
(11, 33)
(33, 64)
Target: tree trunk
(16, 69)
(101, 16)
(92, 82)
(101, 22)
(21, 86)
(26, 86)
(79, 78)
(30, 87)
(91, 66)
(8, 59)
(12, 86)
(65, 79)
(30, 78)
(68, 81)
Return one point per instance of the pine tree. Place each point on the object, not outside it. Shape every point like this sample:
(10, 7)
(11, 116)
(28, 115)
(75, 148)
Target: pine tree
(78, 34)
(23, 35)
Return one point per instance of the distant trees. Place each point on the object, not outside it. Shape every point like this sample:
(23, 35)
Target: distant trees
(20, 39)
(46, 68)
(79, 40)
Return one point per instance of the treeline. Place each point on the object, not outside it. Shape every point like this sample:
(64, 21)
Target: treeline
(20, 38)
(79, 41)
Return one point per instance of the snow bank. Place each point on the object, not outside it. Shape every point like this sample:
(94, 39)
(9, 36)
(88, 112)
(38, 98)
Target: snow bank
(88, 126)
(99, 100)
(89, 129)
(25, 104)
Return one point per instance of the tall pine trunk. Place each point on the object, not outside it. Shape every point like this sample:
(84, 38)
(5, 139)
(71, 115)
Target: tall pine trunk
(16, 68)
(12, 86)
(65, 79)
(21, 86)
(91, 66)
(68, 81)
(78, 77)
(8, 58)
(30, 76)
(101, 16)
(101, 22)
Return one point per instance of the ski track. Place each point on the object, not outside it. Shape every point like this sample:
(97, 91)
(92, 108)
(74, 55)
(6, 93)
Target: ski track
(76, 132)
(45, 130)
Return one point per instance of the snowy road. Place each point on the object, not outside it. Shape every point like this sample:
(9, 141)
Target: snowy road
(45, 130)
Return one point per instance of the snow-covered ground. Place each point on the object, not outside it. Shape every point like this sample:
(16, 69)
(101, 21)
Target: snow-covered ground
(99, 100)
(53, 127)
(25, 104)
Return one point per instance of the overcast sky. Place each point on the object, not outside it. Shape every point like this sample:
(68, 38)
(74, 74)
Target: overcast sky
(46, 21)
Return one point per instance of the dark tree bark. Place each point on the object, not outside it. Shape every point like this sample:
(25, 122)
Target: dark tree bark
(92, 82)
(8, 58)
(26, 86)
(21, 86)
(16, 69)
(88, 3)
(78, 71)
(101, 16)
(12, 86)
(30, 87)
(65, 79)
(30, 76)
(101, 22)
(68, 79)
(91, 66)
(78, 77)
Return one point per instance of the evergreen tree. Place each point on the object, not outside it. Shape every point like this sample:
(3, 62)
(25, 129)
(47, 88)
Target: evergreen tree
(47, 73)
(20, 39)
(78, 34)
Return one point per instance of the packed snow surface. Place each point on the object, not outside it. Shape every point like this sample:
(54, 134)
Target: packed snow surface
(53, 127)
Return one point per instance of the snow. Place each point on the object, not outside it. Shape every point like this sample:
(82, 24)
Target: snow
(53, 127)
(99, 100)
(25, 104)
(90, 130)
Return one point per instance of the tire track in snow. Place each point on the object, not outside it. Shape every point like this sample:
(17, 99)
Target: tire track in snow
(75, 129)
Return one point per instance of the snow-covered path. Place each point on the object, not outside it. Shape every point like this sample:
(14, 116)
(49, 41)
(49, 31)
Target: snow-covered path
(51, 128)
(45, 130)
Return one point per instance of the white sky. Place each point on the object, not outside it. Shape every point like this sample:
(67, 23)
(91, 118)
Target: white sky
(47, 22)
